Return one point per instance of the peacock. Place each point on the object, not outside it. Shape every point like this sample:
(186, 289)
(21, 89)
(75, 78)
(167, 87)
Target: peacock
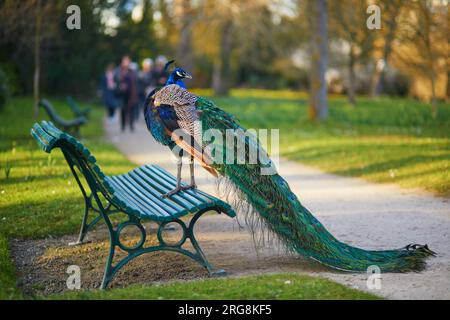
(173, 114)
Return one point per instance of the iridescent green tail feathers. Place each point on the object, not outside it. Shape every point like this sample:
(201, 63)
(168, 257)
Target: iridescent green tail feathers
(271, 198)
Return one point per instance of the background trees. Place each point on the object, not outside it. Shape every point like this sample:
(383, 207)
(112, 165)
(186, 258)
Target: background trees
(422, 48)
(227, 43)
(318, 9)
(384, 42)
(348, 24)
(22, 32)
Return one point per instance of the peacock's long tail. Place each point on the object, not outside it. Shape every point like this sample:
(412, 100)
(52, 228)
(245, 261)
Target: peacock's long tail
(300, 231)
(284, 215)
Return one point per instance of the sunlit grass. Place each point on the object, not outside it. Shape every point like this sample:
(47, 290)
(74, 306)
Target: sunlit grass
(277, 286)
(39, 198)
(385, 140)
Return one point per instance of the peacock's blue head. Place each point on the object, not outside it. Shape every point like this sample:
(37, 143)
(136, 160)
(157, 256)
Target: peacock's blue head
(179, 73)
(177, 76)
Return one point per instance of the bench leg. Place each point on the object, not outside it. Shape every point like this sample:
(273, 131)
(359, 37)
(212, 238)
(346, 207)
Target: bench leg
(85, 226)
(212, 272)
(109, 269)
(139, 249)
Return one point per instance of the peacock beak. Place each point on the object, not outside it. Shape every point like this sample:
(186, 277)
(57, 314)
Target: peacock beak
(188, 76)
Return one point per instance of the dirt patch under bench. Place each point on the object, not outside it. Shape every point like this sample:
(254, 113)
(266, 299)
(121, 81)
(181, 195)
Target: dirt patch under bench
(42, 264)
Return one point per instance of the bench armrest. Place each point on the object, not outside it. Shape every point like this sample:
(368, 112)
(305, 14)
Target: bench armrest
(45, 141)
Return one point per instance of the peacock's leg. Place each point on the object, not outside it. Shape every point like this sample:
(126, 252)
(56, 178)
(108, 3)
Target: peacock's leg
(191, 166)
(178, 187)
(192, 185)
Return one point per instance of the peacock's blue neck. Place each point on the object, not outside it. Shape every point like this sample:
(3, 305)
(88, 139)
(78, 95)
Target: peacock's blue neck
(177, 81)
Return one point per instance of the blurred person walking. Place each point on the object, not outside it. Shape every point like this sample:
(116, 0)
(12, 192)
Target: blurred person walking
(127, 84)
(108, 92)
(146, 83)
(159, 74)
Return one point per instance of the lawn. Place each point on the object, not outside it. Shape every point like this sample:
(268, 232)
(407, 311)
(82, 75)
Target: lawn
(389, 140)
(274, 286)
(39, 198)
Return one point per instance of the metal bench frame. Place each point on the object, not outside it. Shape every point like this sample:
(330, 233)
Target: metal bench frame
(77, 111)
(101, 187)
(72, 125)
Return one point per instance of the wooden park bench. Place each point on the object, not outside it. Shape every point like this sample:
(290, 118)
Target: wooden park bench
(77, 111)
(137, 194)
(72, 126)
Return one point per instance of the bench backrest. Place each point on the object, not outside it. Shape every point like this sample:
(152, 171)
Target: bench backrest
(49, 137)
(74, 106)
(50, 111)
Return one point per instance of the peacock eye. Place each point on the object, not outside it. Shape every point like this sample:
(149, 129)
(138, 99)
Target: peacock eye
(179, 74)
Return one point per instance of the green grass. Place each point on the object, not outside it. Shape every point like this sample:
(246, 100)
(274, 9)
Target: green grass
(39, 198)
(8, 289)
(276, 286)
(389, 140)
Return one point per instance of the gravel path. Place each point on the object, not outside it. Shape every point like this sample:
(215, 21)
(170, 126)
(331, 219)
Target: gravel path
(357, 212)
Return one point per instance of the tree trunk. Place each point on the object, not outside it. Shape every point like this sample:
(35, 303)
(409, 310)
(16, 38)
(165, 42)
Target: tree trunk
(351, 78)
(376, 84)
(447, 98)
(433, 95)
(222, 68)
(431, 59)
(185, 54)
(37, 59)
(318, 105)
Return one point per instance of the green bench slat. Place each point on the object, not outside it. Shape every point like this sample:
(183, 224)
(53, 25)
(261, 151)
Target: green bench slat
(125, 197)
(125, 207)
(121, 191)
(152, 193)
(51, 129)
(159, 208)
(138, 192)
(194, 193)
(170, 186)
(155, 189)
(200, 195)
(45, 140)
(164, 188)
(124, 190)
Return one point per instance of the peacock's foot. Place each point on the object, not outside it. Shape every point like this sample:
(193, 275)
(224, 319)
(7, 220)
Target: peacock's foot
(178, 189)
(172, 192)
(191, 186)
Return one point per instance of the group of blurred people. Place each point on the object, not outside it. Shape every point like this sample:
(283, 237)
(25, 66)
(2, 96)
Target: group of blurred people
(125, 87)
